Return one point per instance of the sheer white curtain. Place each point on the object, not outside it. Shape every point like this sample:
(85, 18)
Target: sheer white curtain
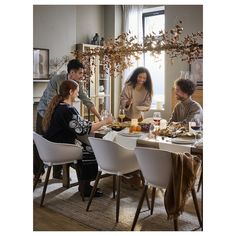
(132, 21)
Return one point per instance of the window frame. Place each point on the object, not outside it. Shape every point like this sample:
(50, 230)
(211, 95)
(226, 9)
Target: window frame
(148, 12)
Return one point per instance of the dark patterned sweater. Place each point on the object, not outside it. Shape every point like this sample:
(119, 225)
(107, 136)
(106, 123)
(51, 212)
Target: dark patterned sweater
(66, 123)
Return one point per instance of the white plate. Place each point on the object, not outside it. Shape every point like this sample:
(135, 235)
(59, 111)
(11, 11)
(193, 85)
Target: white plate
(130, 134)
(142, 108)
(183, 141)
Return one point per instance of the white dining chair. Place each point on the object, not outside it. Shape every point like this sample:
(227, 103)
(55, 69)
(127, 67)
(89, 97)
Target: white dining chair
(156, 166)
(115, 160)
(55, 154)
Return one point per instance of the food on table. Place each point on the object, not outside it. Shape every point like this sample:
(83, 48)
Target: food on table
(135, 129)
(145, 127)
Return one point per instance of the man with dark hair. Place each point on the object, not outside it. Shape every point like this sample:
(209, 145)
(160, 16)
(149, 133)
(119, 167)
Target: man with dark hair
(75, 71)
(186, 109)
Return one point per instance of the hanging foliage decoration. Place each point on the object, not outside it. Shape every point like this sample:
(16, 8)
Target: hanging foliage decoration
(118, 54)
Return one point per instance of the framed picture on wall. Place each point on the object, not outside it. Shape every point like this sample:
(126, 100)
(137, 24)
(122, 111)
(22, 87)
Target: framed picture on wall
(196, 70)
(41, 63)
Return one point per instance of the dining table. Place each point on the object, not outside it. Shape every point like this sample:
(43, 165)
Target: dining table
(129, 141)
(141, 139)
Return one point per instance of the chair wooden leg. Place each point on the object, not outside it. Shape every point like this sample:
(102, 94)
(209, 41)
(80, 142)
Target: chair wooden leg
(143, 182)
(196, 206)
(81, 188)
(153, 199)
(66, 176)
(199, 183)
(114, 186)
(139, 206)
(38, 176)
(45, 185)
(94, 189)
(118, 198)
(176, 224)
(81, 183)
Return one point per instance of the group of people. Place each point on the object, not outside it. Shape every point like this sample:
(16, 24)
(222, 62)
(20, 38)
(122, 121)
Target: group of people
(59, 121)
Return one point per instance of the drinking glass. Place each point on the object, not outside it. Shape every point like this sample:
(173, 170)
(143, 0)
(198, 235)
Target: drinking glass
(196, 127)
(157, 117)
(121, 114)
(104, 114)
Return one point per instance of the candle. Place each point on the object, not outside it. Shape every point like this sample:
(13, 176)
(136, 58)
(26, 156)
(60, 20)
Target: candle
(134, 122)
(163, 124)
(159, 105)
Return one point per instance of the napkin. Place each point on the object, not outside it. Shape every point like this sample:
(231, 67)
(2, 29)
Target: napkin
(110, 136)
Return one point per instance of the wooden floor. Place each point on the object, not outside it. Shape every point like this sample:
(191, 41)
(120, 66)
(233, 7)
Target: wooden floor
(49, 220)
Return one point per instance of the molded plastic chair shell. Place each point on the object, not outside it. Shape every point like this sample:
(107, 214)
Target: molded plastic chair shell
(56, 153)
(113, 158)
(155, 165)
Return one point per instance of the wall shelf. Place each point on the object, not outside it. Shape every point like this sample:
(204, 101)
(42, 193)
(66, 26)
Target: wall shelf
(40, 81)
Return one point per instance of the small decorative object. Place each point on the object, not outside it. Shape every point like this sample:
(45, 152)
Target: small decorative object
(102, 41)
(95, 40)
(41, 63)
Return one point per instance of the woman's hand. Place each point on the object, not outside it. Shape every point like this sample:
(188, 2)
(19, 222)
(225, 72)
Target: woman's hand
(109, 120)
(129, 102)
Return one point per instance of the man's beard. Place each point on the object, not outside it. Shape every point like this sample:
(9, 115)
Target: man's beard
(179, 98)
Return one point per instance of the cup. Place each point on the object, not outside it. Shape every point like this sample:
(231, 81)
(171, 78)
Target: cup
(159, 105)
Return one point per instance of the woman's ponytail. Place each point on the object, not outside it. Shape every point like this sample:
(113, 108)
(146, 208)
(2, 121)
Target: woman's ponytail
(51, 107)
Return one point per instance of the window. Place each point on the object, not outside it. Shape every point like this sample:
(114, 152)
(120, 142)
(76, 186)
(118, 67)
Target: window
(154, 21)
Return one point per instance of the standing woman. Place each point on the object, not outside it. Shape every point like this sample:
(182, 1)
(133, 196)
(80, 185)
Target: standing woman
(138, 91)
(62, 123)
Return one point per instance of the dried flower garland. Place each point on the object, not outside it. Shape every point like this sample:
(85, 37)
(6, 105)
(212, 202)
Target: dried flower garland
(118, 54)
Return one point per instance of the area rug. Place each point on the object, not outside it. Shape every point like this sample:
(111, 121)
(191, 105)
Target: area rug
(102, 213)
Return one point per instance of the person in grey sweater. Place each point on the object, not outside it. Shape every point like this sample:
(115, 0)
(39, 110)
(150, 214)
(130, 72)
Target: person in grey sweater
(186, 109)
(75, 71)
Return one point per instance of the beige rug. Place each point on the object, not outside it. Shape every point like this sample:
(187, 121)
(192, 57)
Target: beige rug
(102, 210)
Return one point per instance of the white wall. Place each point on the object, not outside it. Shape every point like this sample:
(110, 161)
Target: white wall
(54, 28)
(89, 20)
(60, 27)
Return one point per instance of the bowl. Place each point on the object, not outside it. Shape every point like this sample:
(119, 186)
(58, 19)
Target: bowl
(117, 128)
(142, 108)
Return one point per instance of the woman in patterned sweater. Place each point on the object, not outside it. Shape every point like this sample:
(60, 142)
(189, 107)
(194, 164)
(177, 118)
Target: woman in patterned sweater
(62, 123)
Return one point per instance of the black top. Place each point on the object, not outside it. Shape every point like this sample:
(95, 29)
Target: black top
(66, 123)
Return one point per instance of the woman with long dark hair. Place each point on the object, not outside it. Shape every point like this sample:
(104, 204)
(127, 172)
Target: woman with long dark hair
(137, 91)
(62, 123)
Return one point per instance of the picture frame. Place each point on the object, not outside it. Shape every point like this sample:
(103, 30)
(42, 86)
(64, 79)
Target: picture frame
(40, 64)
(196, 71)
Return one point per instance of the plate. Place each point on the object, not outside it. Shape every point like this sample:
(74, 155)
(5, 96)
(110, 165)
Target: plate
(127, 134)
(142, 108)
(183, 141)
